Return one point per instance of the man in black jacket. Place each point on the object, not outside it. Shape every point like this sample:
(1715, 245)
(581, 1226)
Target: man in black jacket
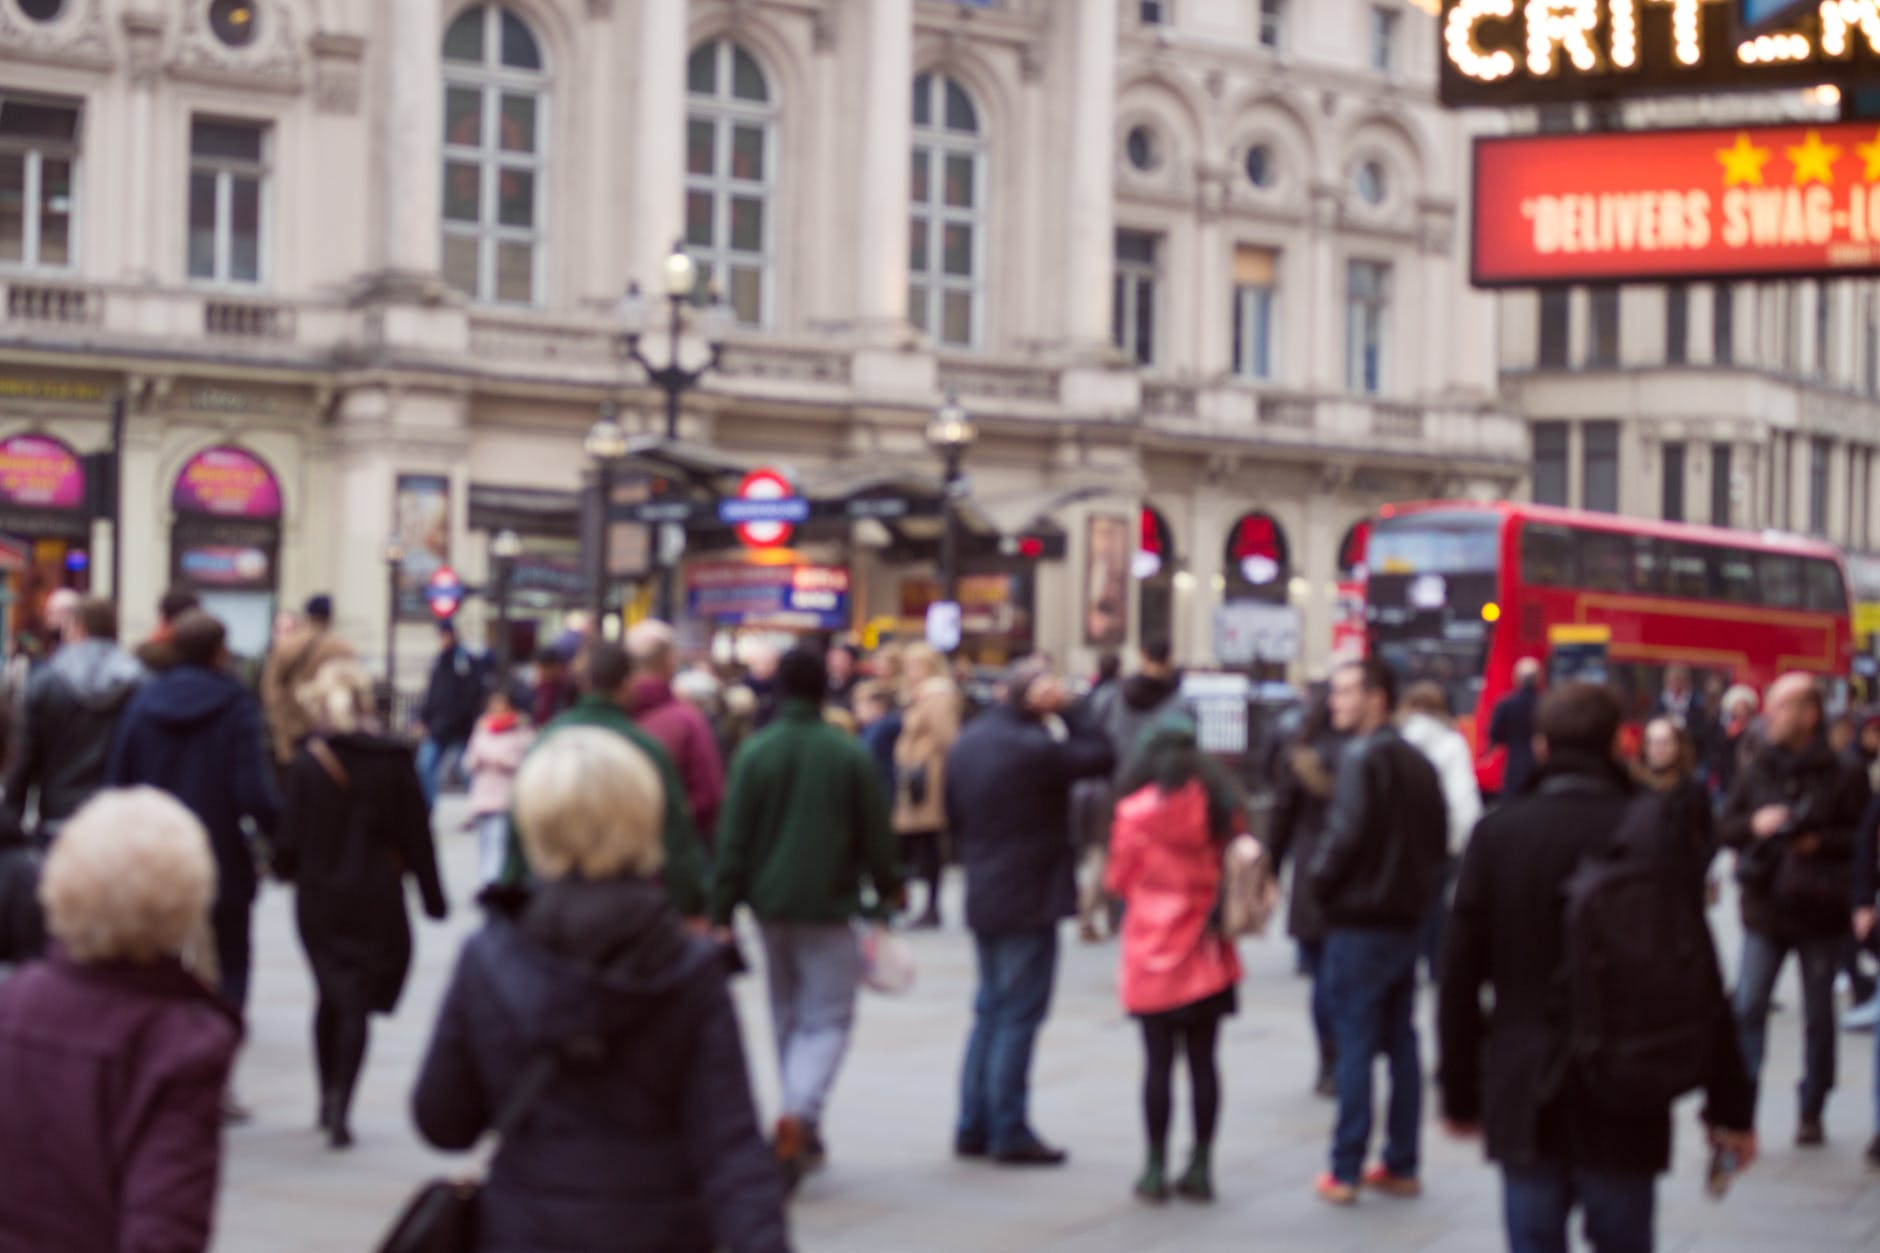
(1008, 783)
(1792, 817)
(453, 701)
(1376, 871)
(1504, 1074)
(69, 720)
(1511, 726)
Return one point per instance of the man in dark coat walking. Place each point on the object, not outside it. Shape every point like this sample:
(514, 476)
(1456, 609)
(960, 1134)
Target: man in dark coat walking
(1008, 783)
(195, 733)
(453, 701)
(1792, 817)
(1511, 726)
(1507, 1075)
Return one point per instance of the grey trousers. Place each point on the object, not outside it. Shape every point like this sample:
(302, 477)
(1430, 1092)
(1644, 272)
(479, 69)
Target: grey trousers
(814, 970)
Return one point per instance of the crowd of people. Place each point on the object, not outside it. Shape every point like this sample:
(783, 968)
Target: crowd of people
(626, 806)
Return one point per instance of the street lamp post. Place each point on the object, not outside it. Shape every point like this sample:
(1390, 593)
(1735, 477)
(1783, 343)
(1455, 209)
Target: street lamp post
(394, 554)
(673, 377)
(605, 444)
(951, 433)
(505, 547)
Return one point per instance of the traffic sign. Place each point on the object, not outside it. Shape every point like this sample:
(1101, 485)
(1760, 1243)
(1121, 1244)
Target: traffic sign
(770, 510)
(444, 592)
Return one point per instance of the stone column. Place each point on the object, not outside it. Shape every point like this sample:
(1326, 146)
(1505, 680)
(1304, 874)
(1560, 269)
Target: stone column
(658, 147)
(411, 136)
(1090, 215)
(886, 32)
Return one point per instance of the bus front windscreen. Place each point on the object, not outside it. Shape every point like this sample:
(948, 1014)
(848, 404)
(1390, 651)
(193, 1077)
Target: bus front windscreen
(1430, 598)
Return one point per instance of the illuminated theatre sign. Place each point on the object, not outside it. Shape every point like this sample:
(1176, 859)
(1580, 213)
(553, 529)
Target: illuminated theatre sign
(1755, 202)
(1509, 52)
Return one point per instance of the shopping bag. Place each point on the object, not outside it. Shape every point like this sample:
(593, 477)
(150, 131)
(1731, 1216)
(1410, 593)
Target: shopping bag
(887, 964)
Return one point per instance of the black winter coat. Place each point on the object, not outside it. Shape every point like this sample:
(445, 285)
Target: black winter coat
(1512, 726)
(1832, 796)
(1306, 772)
(1505, 1070)
(455, 696)
(347, 850)
(68, 724)
(1008, 785)
(651, 1142)
(196, 734)
(1386, 836)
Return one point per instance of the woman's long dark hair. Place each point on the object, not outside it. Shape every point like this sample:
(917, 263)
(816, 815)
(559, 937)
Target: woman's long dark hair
(1171, 759)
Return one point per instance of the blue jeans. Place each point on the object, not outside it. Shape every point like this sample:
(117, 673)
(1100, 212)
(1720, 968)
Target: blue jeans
(1370, 979)
(1015, 977)
(1615, 1206)
(1312, 961)
(1755, 984)
(437, 762)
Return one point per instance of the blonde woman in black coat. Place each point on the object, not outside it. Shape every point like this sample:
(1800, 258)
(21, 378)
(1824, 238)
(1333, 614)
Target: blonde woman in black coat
(354, 826)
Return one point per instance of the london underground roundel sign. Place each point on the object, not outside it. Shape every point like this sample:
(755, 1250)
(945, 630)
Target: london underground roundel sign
(444, 591)
(765, 510)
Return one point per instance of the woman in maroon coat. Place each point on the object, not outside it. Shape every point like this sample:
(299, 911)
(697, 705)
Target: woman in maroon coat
(113, 1057)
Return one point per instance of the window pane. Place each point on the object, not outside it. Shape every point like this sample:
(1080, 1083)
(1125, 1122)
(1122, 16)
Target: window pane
(462, 191)
(701, 146)
(1780, 580)
(956, 317)
(701, 71)
(518, 123)
(463, 117)
(698, 218)
(1826, 593)
(747, 81)
(516, 204)
(956, 249)
(1733, 575)
(961, 116)
(31, 119)
(1145, 321)
(918, 259)
(923, 100)
(747, 153)
(1648, 567)
(55, 212)
(959, 184)
(202, 225)
(519, 50)
(1547, 555)
(917, 306)
(12, 206)
(747, 224)
(1688, 573)
(233, 140)
(515, 273)
(460, 263)
(464, 40)
(244, 254)
(747, 294)
(919, 185)
(1605, 561)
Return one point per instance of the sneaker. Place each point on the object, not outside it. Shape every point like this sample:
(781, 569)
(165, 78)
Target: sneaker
(1862, 1017)
(1400, 1186)
(1809, 1134)
(1335, 1191)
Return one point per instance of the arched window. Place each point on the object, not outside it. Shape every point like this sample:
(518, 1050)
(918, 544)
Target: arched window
(1259, 560)
(1153, 568)
(730, 155)
(947, 237)
(495, 128)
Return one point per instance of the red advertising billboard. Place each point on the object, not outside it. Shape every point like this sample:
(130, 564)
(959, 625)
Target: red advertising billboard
(1746, 202)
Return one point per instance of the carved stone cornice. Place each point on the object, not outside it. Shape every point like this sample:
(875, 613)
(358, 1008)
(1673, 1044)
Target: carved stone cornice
(78, 38)
(274, 62)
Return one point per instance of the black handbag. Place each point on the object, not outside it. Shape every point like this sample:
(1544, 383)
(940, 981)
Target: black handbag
(914, 784)
(442, 1217)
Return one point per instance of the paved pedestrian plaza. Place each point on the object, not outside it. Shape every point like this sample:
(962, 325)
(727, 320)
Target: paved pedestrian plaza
(893, 1185)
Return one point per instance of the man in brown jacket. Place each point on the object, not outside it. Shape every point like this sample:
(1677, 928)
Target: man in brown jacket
(295, 661)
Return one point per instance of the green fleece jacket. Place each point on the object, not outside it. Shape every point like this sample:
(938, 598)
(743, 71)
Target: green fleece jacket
(804, 820)
(686, 872)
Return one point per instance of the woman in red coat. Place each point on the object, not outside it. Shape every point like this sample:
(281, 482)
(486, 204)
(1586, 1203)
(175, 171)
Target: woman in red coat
(1179, 973)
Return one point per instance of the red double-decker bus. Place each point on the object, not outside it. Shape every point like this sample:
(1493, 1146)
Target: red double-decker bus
(1457, 592)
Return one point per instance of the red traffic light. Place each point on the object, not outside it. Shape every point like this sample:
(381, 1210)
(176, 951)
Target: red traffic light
(1030, 547)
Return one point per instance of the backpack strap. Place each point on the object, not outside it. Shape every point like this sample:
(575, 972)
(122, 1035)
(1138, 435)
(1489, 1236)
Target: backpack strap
(323, 753)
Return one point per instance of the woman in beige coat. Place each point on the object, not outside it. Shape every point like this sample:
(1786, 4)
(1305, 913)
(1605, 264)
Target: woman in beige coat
(928, 728)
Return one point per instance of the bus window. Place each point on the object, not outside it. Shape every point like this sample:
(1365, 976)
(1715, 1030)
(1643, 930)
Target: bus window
(1605, 561)
(1686, 572)
(1825, 592)
(1733, 576)
(1547, 555)
(1779, 580)
(1436, 543)
(1648, 566)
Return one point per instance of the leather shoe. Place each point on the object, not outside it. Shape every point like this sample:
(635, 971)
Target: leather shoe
(968, 1147)
(1034, 1153)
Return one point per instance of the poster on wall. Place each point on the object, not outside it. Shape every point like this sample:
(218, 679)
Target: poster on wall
(1106, 586)
(421, 523)
(227, 483)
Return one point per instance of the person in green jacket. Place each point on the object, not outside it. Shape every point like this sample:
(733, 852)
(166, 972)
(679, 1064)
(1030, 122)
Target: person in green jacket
(605, 683)
(805, 821)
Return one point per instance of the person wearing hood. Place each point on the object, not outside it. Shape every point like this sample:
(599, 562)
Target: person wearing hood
(678, 725)
(642, 1133)
(354, 825)
(69, 721)
(1179, 973)
(1127, 710)
(158, 652)
(292, 662)
(1427, 727)
(195, 733)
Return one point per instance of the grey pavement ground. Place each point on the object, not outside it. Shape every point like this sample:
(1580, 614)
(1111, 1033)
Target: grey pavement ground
(892, 1184)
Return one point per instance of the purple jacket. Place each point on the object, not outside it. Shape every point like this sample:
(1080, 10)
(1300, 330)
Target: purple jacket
(111, 1080)
(681, 728)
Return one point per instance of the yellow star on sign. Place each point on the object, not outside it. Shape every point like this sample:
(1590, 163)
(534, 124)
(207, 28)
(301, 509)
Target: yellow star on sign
(1744, 162)
(1870, 153)
(1814, 160)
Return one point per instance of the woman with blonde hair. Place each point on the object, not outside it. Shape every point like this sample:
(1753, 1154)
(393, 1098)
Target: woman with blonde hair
(113, 1057)
(353, 826)
(635, 1128)
(929, 728)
